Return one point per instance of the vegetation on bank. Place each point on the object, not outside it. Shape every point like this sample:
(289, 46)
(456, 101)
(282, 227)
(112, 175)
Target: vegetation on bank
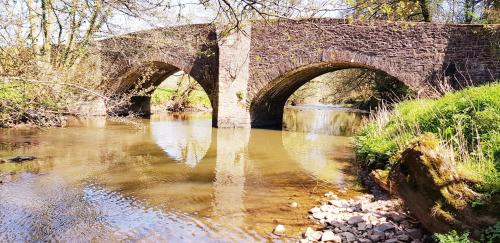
(468, 122)
(165, 99)
(467, 125)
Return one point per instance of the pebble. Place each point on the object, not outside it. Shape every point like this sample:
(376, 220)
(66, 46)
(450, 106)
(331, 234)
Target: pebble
(377, 236)
(294, 205)
(349, 236)
(324, 208)
(328, 235)
(391, 241)
(315, 236)
(383, 227)
(415, 234)
(355, 219)
(279, 230)
(403, 238)
(315, 210)
(319, 215)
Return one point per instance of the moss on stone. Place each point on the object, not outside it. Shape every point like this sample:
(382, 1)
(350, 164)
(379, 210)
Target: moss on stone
(432, 189)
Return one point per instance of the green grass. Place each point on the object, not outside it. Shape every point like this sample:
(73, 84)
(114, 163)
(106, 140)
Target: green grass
(197, 98)
(467, 121)
(453, 237)
(162, 95)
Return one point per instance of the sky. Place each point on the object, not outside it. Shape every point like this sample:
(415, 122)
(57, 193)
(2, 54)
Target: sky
(191, 13)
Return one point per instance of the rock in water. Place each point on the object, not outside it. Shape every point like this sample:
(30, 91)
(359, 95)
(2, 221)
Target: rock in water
(279, 230)
(20, 159)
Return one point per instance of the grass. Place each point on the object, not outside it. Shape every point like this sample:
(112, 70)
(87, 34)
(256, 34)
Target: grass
(197, 98)
(162, 95)
(467, 123)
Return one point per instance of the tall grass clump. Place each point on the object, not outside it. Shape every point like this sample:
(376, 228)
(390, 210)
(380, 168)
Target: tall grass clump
(467, 123)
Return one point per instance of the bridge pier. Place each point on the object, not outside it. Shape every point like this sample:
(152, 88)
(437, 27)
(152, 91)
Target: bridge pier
(234, 72)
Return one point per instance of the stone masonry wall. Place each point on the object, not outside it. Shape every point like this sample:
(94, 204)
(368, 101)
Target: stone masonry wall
(249, 75)
(287, 54)
(190, 48)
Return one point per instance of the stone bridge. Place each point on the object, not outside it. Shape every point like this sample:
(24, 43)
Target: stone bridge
(250, 74)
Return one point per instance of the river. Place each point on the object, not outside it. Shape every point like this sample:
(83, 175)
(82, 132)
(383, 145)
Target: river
(172, 177)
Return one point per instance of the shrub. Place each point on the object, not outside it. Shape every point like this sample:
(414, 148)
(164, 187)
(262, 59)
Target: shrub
(453, 237)
(467, 121)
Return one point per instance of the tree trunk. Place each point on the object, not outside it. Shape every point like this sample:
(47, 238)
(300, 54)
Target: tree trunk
(71, 33)
(426, 13)
(469, 8)
(32, 27)
(46, 30)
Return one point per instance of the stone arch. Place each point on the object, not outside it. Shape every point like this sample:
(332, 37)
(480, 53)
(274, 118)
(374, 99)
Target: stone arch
(267, 105)
(147, 76)
(152, 73)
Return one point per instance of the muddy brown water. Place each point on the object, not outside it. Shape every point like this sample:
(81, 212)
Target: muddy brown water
(174, 178)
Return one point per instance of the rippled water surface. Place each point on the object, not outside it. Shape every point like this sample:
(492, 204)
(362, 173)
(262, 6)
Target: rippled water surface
(174, 178)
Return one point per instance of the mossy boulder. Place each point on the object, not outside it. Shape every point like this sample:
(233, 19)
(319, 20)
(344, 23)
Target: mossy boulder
(434, 192)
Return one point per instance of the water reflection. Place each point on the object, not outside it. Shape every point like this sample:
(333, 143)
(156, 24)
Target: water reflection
(320, 155)
(184, 138)
(116, 183)
(322, 119)
(230, 175)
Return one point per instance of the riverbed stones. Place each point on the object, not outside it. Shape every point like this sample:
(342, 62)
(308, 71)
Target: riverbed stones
(363, 220)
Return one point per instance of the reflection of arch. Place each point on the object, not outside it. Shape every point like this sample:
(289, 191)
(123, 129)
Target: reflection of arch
(267, 106)
(184, 141)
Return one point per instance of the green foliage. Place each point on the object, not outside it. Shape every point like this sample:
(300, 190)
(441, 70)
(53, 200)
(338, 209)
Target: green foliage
(467, 121)
(162, 95)
(491, 234)
(197, 98)
(24, 102)
(453, 237)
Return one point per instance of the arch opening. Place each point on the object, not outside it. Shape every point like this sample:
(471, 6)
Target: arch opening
(343, 84)
(158, 86)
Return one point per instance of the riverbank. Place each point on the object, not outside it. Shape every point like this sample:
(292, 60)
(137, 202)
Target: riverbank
(441, 156)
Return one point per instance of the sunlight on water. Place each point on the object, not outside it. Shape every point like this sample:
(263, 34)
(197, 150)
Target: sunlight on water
(175, 179)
